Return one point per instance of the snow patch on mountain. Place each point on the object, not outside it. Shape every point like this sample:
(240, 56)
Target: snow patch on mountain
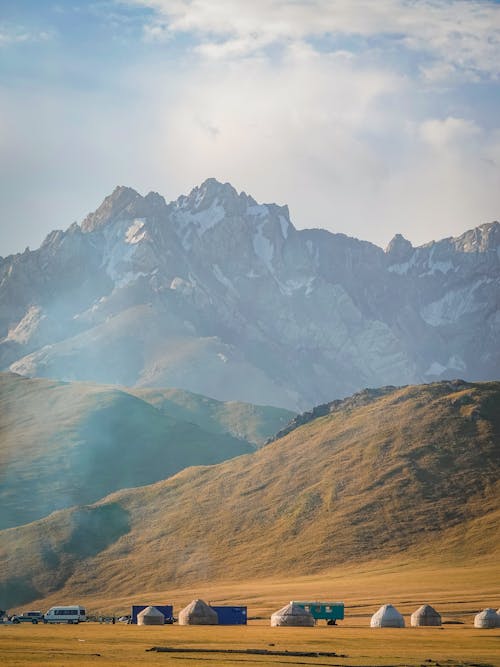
(258, 210)
(403, 268)
(191, 225)
(182, 286)
(442, 267)
(454, 363)
(290, 286)
(453, 305)
(130, 277)
(263, 247)
(435, 369)
(223, 279)
(135, 232)
(285, 226)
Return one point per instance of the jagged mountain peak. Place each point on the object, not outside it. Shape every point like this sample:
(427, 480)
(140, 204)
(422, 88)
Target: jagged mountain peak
(212, 202)
(125, 203)
(155, 198)
(212, 193)
(112, 206)
(399, 248)
(212, 185)
(480, 239)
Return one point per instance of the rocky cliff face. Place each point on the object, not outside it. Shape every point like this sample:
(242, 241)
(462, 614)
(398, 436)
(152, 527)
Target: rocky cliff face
(223, 296)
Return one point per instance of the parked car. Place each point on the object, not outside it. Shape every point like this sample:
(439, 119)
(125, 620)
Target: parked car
(27, 617)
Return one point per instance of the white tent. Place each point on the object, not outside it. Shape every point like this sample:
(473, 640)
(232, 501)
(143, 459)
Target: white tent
(387, 617)
(488, 618)
(150, 616)
(292, 615)
(198, 613)
(425, 615)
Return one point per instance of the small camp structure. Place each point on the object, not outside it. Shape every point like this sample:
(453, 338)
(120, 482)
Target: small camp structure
(166, 609)
(150, 616)
(488, 618)
(328, 611)
(230, 615)
(292, 615)
(198, 613)
(387, 617)
(425, 615)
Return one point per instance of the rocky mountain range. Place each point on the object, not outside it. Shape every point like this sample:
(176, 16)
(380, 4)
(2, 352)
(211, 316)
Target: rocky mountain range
(220, 295)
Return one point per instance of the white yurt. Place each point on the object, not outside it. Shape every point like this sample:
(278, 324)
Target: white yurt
(198, 613)
(292, 615)
(150, 616)
(425, 615)
(488, 618)
(387, 617)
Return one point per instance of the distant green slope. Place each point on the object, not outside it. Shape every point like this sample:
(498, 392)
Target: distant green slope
(412, 471)
(254, 423)
(65, 444)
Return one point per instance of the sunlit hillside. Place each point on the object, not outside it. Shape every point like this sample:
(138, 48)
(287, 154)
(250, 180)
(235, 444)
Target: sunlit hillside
(411, 472)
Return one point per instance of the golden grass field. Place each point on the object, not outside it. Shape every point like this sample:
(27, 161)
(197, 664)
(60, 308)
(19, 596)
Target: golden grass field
(456, 592)
(125, 645)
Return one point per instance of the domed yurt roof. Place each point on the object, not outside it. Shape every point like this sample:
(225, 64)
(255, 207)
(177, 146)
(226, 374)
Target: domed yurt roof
(150, 616)
(292, 614)
(425, 615)
(387, 617)
(488, 618)
(198, 613)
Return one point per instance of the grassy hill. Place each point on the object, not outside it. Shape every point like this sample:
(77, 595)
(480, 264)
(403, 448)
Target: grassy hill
(254, 423)
(412, 472)
(65, 444)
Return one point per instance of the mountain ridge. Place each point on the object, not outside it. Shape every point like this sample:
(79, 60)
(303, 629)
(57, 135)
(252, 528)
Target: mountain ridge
(220, 295)
(65, 444)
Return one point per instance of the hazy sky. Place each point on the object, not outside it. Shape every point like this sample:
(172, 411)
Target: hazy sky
(368, 117)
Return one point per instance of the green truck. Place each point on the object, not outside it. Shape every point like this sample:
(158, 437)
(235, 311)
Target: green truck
(331, 612)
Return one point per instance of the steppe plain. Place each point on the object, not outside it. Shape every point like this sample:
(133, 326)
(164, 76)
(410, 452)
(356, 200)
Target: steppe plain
(458, 592)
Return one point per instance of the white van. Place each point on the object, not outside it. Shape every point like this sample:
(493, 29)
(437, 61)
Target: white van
(72, 614)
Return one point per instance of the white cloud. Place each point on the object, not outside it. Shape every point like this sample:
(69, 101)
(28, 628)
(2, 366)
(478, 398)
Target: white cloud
(448, 183)
(16, 34)
(463, 35)
(449, 133)
(156, 31)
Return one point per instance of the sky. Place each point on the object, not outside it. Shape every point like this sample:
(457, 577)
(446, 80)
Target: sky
(366, 117)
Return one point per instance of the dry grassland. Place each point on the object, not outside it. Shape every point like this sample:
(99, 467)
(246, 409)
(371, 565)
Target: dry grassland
(122, 646)
(457, 592)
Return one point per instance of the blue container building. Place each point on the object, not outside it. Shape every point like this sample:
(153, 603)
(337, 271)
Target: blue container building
(231, 615)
